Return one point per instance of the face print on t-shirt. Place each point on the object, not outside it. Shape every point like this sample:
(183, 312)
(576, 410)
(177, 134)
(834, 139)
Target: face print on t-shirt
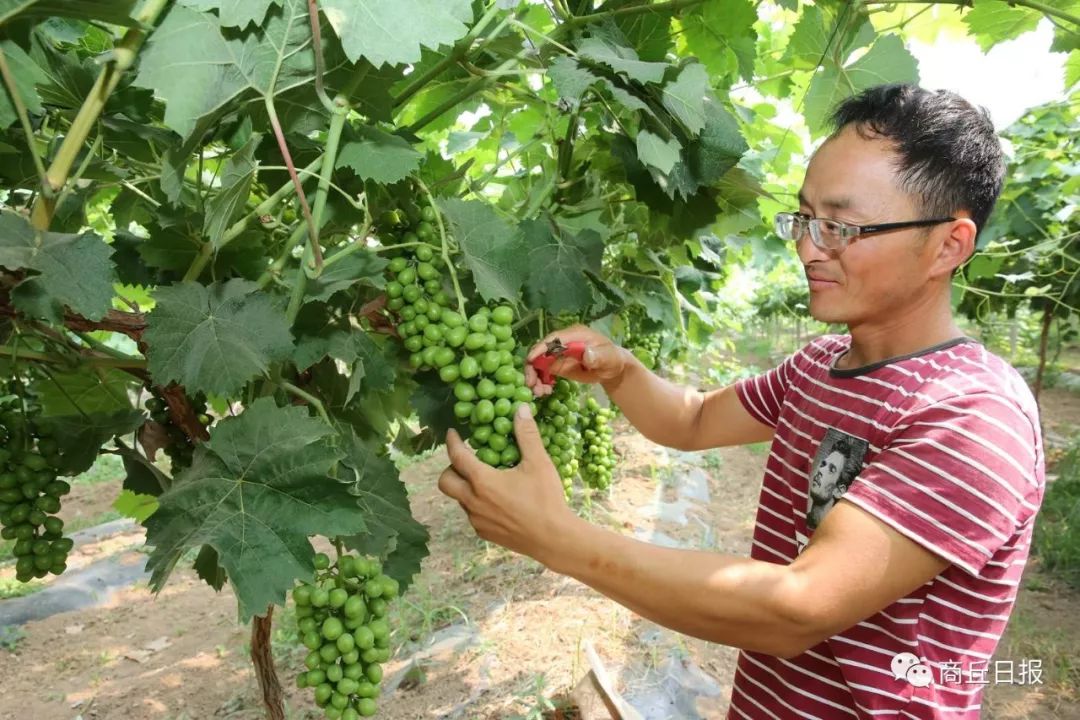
(838, 461)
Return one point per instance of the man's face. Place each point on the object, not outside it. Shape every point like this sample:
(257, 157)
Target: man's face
(852, 179)
(826, 474)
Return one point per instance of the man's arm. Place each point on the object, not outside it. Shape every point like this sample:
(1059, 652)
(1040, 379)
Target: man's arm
(680, 417)
(854, 566)
(666, 413)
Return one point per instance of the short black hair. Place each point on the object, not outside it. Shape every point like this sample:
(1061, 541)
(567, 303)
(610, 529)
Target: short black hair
(950, 158)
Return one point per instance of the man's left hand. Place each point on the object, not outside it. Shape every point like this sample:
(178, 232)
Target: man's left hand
(524, 508)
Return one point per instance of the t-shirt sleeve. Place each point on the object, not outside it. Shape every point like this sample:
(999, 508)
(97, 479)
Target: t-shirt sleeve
(763, 395)
(958, 477)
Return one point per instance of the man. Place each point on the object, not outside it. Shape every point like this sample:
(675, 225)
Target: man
(894, 603)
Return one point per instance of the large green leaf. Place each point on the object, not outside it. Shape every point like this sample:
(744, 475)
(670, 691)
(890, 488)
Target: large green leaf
(718, 147)
(360, 267)
(394, 32)
(199, 69)
(993, 21)
(390, 530)
(492, 247)
(255, 493)
(214, 338)
(887, 61)
(235, 13)
(570, 79)
(721, 34)
(230, 199)
(558, 262)
(684, 97)
(623, 60)
(71, 270)
(84, 390)
(657, 152)
(80, 437)
(376, 155)
(26, 74)
(117, 12)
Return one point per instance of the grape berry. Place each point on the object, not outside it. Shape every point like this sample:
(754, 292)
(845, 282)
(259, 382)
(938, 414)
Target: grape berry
(341, 620)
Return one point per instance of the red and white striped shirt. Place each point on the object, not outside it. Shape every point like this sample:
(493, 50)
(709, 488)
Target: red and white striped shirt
(944, 446)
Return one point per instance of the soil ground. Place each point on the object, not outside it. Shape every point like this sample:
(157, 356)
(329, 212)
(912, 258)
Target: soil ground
(483, 633)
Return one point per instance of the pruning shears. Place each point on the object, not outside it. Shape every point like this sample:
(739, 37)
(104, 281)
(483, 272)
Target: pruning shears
(555, 350)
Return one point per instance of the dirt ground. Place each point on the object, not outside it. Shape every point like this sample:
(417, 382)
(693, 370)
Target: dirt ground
(485, 633)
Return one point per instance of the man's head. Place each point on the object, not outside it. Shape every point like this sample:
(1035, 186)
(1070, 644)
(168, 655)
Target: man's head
(899, 153)
(826, 475)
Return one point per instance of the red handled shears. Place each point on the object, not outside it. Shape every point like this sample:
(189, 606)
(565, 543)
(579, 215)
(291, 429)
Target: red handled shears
(556, 350)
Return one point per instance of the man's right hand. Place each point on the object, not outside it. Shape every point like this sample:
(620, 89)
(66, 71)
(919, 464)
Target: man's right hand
(603, 361)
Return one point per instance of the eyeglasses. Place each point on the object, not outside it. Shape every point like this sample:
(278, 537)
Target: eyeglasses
(834, 235)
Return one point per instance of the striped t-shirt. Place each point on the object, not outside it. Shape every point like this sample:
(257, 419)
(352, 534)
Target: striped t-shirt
(944, 446)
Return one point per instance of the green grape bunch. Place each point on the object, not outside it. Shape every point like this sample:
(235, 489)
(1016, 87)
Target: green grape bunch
(558, 420)
(644, 344)
(341, 618)
(181, 448)
(473, 354)
(598, 450)
(30, 490)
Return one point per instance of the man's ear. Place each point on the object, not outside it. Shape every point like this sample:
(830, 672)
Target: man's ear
(956, 247)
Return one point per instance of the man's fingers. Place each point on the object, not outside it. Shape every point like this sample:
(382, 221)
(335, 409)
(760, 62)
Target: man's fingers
(527, 435)
(462, 457)
(454, 486)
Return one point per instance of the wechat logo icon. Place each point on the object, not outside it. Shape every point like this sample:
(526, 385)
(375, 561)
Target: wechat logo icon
(907, 666)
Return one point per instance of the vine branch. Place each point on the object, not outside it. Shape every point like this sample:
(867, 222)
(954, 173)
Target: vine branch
(24, 119)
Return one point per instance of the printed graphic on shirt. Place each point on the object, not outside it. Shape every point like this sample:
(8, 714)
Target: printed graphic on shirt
(838, 461)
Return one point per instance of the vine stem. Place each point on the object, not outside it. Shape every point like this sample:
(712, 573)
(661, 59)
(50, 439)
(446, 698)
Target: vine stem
(279, 134)
(460, 50)
(309, 398)
(1032, 4)
(113, 362)
(24, 119)
(122, 57)
(262, 657)
(445, 247)
(333, 140)
(316, 46)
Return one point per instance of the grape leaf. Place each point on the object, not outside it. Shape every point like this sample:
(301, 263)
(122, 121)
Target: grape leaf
(198, 70)
(657, 152)
(887, 61)
(992, 22)
(81, 436)
(26, 74)
(209, 569)
(73, 270)
(116, 12)
(1072, 69)
(235, 13)
(214, 338)
(391, 531)
(230, 199)
(558, 261)
(570, 79)
(254, 493)
(622, 60)
(135, 506)
(361, 266)
(493, 248)
(393, 32)
(379, 156)
(721, 34)
(140, 475)
(370, 361)
(718, 147)
(685, 96)
(84, 390)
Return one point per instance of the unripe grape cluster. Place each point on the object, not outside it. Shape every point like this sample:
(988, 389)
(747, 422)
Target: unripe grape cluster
(598, 451)
(341, 620)
(181, 449)
(643, 344)
(30, 491)
(475, 354)
(557, 419)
